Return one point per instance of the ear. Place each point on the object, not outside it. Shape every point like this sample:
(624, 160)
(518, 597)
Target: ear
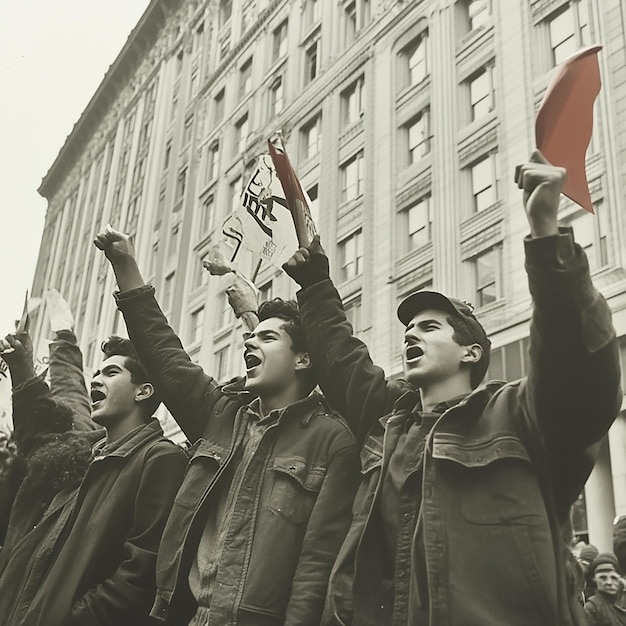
(303, 361)
(144, 391)
(473, 353)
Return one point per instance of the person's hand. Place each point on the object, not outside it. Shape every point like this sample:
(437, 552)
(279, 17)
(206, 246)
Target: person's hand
(216, 264)
(542, 184)
(59, 311)
(17, 350)
(242, 295)
(116, 245)
(308, 265)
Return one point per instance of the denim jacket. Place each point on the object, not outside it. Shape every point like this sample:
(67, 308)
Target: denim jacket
(295, 512)
(500, 471)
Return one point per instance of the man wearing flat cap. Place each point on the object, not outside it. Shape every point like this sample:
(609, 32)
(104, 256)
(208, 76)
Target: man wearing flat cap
(466, 486)
(607, 606)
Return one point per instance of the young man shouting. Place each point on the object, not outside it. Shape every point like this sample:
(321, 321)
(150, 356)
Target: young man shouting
(267, 500)
(95, 563)
(466, 488)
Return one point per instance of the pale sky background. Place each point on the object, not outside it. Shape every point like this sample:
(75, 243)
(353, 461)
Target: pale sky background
(53, 56)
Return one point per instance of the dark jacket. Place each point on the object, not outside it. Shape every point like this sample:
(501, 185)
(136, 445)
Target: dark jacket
(302, 481)
(602, 611)
(101, 569)
(501, 469)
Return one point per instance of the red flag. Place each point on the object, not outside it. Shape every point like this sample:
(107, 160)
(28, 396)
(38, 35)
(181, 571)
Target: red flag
(296, 201)
(565, 120)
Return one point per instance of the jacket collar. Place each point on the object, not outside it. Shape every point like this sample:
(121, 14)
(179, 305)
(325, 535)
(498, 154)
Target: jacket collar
(151, 431)
(305, 408)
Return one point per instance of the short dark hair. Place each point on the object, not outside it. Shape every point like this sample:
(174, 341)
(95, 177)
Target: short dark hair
(118, 346)
(463, 336)
(288, 311)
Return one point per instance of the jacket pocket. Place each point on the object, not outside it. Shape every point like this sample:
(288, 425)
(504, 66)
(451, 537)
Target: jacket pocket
(295, 487)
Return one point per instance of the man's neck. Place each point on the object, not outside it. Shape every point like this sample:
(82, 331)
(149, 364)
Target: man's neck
(278, 401)
(432, 395)
(125, 426)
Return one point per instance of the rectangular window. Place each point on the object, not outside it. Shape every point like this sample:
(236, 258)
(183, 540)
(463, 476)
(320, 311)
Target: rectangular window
(226, 312)
(200, 275)
(477, 13)
(181, 184)
(213, 162)
(311, 60)
(187, 130)
(413, 62)
(221, 364)
(417, 137)
(235, 194)
(350, 256)
(168, 154)
(265, 292)
(168, 292)
(241, 135)
(245, 78)
(196, 324)
(279, 42)
(568, 30)
(218, 107)
(352, 181)
(352, 103)
(248, 15)
(314, 204)
(483, 174)
(208, 215)
(276, 96)
(194, 83)
(172, 250)
(481, 93)
(226, 10)
(311, 136)
(353, 314)
(590, 234)
(487, 274)
(417, 224)
(312, 13)
(350, 23)
(160, 209)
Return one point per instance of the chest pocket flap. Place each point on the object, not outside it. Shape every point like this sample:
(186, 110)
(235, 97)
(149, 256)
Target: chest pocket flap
(308, 477)
(478, 453)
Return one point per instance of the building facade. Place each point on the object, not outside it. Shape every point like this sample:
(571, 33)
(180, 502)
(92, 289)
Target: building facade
(404, 121)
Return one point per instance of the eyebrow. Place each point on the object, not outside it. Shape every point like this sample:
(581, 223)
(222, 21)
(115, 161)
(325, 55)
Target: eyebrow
(423, 323)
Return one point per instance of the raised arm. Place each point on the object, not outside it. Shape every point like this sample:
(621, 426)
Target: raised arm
(189, 393)
(572, 393)
(352, 384)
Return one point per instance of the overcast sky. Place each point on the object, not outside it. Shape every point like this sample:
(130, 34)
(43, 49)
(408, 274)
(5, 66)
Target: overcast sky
(53, 56)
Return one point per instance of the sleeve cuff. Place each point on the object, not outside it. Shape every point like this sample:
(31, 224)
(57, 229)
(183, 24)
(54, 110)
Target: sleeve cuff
(122, 296)
(555, 251)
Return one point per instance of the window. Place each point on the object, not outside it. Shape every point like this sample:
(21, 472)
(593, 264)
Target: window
(353, 314)
(168, 154)
(168, 292)
(245, 78)
(568, 30)
(226, 10)
(352, 103)
(200, 275)
(218, 110)
(221, 363)
(311, 59)
(311, 135)
(350, 256)
(314, 204)
(509, 362)
(352, 182)
(417, 137)
(235, 194)
(483, 176)
(196, 324)
(276, 96)
(194, 83)
(187, 130)
(312, 13)
(590, 234)
(266, 292)
(417, 224)
(226, 311)
(481, 93)
(279, 43)
(477, 13)
(181, 184)
(207, 220)
(350, 23)
(174, 242)
(179, 63)
(241, 135)
(212, 162)
(487, 275)
(413, 61)
(248, 15)
(198, 39)
(160, 209)
(224, 45)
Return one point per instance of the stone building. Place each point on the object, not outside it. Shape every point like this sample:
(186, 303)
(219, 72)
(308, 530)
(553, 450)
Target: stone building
(404, 121)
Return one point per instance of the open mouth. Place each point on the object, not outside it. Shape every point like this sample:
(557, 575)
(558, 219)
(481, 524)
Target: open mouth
(413, 352)
(96, 396)
(252, 360)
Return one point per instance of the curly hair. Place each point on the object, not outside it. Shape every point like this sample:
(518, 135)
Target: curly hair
(118, 346)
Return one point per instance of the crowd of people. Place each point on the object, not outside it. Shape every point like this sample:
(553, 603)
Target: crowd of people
(315, 490)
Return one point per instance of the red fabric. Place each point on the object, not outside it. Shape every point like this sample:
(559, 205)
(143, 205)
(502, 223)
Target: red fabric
(565, 120)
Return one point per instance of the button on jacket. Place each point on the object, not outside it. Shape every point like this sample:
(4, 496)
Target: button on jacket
(294, 502)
